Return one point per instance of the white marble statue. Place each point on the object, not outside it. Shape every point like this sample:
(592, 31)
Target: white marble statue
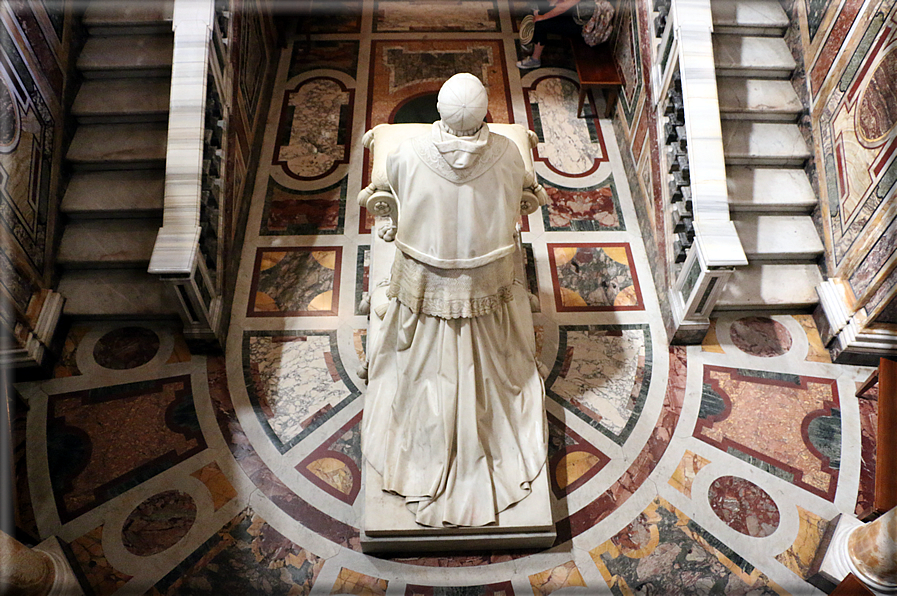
(454, 417)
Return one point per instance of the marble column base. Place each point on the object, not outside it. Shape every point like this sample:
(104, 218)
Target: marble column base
(65, 583)
(389, 525)
(836, 564)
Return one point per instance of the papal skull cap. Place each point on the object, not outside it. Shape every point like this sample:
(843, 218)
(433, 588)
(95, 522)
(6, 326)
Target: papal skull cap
(462, 103)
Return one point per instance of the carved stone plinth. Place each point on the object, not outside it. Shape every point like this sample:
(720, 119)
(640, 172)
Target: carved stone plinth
(869, 551)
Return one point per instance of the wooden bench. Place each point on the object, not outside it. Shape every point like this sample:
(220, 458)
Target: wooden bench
(885, 496)
(596, 69)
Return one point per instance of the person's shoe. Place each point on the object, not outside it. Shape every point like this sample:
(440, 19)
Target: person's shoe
(528, 63)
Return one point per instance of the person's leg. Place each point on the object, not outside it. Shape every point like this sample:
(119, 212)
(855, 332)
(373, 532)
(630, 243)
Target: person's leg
(540, 35)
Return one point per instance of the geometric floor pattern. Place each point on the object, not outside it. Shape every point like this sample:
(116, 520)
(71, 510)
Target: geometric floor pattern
(243, 475)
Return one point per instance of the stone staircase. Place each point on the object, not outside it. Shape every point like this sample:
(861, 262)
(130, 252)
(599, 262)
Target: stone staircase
(112, 207)
(770, 197)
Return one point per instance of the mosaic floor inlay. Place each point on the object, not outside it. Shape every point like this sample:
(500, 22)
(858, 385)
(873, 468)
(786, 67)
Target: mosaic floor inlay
(710, 469)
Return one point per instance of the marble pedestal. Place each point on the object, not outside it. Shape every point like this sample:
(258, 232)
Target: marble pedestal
(836, 563)
(389, 525)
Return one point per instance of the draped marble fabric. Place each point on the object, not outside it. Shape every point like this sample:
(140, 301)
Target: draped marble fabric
(454, 416)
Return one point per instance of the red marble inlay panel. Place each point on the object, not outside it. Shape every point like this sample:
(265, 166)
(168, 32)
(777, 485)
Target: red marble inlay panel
(755, 415)
(760, 336)
(744, 506)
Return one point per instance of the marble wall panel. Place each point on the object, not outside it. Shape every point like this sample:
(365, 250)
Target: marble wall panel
(869, 430)
(857, 136)
(252, 60)
(22, 508)
(627, 53)
(635, 127)
(28, 153)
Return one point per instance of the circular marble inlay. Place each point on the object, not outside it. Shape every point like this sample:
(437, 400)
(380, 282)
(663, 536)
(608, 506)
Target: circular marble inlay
(158, 523)
(760, 336)
(126, 347)
(744, 506)
(10, 117)
(877, 115)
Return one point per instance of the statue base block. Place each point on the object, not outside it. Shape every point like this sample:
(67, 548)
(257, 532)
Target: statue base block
(389, 526)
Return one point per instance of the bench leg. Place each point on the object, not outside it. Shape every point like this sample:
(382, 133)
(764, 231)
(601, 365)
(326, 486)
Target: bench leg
(610, 98)
(582, 98)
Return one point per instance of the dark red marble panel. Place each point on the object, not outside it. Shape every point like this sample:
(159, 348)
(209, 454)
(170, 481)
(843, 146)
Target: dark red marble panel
(760, 336)
(126, 347)
(744, 506)
(158, 523)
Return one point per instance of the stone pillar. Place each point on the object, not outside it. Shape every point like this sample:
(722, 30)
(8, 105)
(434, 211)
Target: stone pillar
(872, 552)
(23, 571)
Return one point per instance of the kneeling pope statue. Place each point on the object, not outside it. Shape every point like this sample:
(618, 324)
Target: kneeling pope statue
(454, 418)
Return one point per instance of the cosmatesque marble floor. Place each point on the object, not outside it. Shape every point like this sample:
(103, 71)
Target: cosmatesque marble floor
(707, 469)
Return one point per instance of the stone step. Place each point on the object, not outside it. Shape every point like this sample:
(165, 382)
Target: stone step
(749, 17)
(769, 190)
(752, 56)
(116, 17)
(771, 286)
(119, 146)
(763, 144)
(99, 243)
(779, 238)
(114, 194)
(763, 100)
(122, 100)
(117, 294)
(126, 56)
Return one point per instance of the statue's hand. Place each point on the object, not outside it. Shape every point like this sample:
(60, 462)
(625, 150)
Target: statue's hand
(387, 232)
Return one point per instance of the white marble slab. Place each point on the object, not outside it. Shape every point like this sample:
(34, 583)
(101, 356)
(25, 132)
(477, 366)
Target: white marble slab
(389, 525)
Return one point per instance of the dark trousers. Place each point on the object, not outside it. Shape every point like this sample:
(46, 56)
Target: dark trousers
(562, 25)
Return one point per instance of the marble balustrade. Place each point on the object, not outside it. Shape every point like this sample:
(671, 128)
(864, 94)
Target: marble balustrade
(685, 68)
(187, 250)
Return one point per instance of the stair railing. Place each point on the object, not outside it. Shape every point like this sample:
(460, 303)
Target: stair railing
(706, 246)
(187, 253)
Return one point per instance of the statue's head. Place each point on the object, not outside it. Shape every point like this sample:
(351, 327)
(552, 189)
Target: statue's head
(462, 104)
